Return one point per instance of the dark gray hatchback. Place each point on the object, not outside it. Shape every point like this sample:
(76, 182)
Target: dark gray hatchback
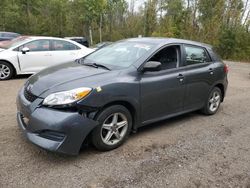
(113, 91)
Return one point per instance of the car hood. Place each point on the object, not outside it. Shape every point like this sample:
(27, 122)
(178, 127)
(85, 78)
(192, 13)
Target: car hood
(63, 77)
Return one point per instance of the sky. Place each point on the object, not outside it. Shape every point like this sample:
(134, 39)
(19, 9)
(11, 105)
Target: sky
(138, 3)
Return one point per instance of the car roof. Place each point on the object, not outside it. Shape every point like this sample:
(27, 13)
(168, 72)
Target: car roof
(28, 38)
(163, 41)
(75, 38)
(49, 38)
(43, 37)
(9, 32)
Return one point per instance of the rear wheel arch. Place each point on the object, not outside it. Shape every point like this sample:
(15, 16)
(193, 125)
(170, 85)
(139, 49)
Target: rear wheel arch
(212, 104)
(221, 87)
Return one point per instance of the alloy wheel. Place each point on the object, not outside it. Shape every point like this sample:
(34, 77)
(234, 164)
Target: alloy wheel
(214, 101)
(114, 128)
(4, 71)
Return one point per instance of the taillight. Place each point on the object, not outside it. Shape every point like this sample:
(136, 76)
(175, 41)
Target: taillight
(226, 68)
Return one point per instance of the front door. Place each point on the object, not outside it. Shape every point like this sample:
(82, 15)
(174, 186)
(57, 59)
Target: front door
(37, 58)
(162, 92)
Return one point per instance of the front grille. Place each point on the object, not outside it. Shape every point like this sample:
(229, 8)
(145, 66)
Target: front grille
(29, 96)
(52, 135)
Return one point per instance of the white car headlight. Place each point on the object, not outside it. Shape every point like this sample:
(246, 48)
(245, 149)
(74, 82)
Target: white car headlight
(66, 97)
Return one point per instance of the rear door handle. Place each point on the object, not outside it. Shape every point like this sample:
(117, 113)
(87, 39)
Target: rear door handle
(211, 71)
(180, 77)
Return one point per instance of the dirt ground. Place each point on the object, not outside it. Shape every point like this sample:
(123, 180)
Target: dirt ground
(192, 150)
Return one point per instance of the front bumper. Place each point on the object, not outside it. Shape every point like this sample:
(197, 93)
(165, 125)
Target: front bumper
(52, 129)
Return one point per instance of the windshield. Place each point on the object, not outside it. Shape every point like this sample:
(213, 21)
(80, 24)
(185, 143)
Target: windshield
(120, 54)
(13, 42)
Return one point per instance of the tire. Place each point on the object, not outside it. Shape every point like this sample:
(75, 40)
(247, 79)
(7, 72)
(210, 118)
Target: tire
(115, 123)
(213, 102)
(6, 71)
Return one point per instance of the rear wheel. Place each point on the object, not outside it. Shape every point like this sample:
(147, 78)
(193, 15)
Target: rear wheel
(114, 128)
(6, 71)
(213, 102)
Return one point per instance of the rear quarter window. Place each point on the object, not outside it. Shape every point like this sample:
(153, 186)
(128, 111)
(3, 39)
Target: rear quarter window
(196, 55)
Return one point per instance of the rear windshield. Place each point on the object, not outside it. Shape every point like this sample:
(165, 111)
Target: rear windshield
(13, 42)
(8, 34)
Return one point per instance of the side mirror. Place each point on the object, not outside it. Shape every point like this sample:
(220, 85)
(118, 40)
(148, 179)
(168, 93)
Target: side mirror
(152, 66)
(25, 50)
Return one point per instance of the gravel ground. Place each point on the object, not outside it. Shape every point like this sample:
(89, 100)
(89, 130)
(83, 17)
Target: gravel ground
(192, 150)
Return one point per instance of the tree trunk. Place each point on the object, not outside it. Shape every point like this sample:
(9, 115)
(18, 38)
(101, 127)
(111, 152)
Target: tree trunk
(100, 28)
(244, 11)
(247, 18)
(90, 36)
(28, 15)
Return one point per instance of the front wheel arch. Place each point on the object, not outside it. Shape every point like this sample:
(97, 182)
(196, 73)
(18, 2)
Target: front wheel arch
(127, 105)
(12, 66)
(102, 116)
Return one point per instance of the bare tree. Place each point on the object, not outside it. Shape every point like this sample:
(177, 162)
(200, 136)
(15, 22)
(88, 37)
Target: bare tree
(244, 10)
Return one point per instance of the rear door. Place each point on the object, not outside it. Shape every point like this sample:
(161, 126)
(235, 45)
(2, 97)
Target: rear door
(38, 57)
(199, 76)
(64, 51)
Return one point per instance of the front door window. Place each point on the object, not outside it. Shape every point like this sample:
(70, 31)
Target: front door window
(38, 45)
(168, 57)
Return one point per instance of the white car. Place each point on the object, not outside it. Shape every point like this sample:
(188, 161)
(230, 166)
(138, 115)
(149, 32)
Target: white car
(28, 54)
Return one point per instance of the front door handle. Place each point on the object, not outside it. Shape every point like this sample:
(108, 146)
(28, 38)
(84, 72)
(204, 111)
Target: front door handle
(48, 54)
(180, 77)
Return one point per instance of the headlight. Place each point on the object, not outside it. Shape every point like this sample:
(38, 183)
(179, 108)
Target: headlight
(66, 97)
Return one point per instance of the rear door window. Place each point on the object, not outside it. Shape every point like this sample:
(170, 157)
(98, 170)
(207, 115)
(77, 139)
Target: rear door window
(196, 55)
(60, 45)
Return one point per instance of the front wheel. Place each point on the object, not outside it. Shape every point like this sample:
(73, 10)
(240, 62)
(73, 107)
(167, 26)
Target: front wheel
(213, 102)
(6, 71)
(114, 128)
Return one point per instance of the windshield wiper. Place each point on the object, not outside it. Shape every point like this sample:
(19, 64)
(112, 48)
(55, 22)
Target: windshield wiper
(96, 65)
(102, 66)
(78, 61)
(90, 65)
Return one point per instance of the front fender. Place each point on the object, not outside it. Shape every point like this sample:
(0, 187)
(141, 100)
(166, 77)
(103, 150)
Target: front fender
(118, 93)
(12, 58)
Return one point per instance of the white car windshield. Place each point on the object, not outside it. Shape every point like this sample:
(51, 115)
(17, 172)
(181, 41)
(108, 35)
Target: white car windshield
(13, 42)
(120, 54)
